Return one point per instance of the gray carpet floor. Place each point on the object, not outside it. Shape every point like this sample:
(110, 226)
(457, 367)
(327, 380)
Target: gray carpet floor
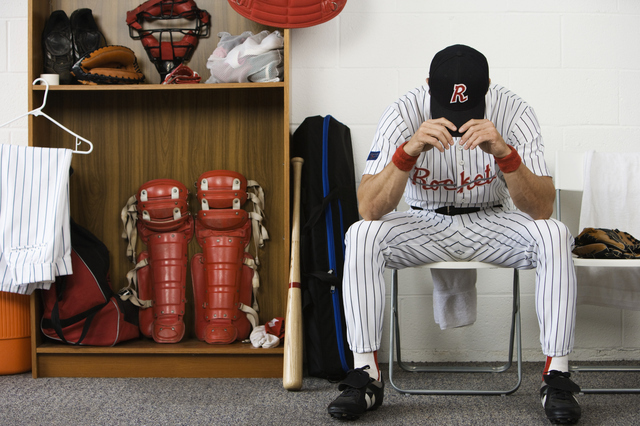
(160, 401)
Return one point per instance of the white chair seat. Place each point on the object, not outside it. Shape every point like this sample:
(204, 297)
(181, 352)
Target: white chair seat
(459, 265)
(609, 263)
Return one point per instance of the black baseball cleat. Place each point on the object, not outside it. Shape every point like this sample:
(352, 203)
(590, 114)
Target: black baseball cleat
(57, 46)
(557, 398)
(360, 393)
(86, 35)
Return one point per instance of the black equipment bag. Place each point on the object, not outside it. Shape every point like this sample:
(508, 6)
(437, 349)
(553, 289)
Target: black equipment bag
(328, 206)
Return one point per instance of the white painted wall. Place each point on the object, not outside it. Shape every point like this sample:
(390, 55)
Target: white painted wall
(575, 61)
(13, 71)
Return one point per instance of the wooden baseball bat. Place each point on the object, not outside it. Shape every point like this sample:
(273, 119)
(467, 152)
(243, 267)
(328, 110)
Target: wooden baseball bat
(292, 374)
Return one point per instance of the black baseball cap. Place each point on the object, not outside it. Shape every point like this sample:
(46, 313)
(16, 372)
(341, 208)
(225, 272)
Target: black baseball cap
(458, 83)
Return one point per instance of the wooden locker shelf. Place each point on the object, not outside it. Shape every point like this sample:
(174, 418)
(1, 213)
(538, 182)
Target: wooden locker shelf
(148, 131)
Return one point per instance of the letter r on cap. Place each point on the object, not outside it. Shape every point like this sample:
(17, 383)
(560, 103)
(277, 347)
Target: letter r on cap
(458, 94)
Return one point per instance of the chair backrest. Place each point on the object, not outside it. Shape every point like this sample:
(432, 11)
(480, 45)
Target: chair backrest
(569, 171)
(569, 175)
(613, 176)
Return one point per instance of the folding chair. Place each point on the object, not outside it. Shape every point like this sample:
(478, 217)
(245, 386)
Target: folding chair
(569, 176)
(514, 339)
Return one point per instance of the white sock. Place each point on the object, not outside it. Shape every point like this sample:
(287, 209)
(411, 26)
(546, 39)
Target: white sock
(559, 363)
(370, 359)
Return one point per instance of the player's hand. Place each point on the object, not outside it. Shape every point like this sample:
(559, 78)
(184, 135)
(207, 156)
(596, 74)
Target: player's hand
(431, 134)
(484, 135)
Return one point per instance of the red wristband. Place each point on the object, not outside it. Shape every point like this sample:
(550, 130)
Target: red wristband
(402, 160)
(511, 162)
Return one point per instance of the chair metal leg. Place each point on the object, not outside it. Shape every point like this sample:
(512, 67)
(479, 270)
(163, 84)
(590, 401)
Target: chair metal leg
(514, 339)
(610, 369)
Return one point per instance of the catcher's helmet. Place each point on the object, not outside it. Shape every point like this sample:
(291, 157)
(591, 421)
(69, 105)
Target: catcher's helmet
(164, 48)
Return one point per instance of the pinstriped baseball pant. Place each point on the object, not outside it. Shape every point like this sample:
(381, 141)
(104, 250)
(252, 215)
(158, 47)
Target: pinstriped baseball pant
(35, 243)
(511, 239)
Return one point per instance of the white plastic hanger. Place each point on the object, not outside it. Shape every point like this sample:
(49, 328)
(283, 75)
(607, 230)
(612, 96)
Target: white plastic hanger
(38, 112)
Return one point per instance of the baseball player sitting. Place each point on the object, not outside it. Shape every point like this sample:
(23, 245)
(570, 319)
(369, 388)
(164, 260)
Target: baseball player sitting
(469, 158)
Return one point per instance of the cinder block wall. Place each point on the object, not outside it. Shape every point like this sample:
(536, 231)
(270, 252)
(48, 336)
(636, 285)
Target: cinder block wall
(575, 61)
(13, 71)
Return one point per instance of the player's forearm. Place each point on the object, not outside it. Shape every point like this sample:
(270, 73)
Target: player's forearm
(380, 194)
(530, 193)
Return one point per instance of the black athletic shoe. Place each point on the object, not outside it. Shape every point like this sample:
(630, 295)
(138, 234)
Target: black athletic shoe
(86, 35)
(557, 398)
(57, 46)
(360, 393)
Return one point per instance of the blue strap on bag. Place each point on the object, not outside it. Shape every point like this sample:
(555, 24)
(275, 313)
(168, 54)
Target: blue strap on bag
(335, 292)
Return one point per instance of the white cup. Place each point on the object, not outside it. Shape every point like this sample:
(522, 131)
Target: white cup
(52, 79)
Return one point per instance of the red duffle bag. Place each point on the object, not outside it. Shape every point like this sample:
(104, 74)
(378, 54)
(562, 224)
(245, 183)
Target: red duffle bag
(82, 309)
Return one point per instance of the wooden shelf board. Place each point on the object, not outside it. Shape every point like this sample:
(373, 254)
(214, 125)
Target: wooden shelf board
(189, 359)
(190, 346)
(141, 87)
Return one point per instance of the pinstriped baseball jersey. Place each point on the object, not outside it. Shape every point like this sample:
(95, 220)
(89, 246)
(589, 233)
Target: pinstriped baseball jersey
(34, 216)
(459, 177)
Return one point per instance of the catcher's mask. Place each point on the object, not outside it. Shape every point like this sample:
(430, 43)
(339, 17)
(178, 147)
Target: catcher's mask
(164, 50)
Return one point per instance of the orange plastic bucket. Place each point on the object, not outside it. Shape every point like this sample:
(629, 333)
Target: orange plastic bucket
(15, 333)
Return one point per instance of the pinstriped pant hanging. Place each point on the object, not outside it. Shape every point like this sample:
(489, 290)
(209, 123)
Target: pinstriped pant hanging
(34, 216)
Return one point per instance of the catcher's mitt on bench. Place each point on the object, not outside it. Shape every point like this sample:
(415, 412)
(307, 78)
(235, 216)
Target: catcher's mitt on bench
(602, 243)
(108, 65)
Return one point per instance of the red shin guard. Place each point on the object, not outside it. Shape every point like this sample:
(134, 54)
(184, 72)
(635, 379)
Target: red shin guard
(216, 323)
(222, 281)
(166, 227)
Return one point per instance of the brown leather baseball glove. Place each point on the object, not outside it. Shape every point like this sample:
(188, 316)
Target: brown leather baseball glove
(108, 65)
(602, 243)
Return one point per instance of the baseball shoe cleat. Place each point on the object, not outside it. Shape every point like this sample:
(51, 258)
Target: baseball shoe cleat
(360, 393)
(57, 46)
(557, 398)
(86, 35)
